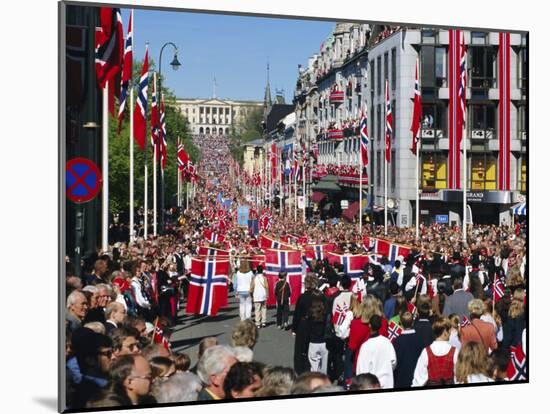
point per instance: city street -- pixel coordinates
(274, 346)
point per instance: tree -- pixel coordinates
(119, 160)
(248, 129)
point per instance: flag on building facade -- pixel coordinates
(417, 112)
(364, 139)
(389, 124)
(140, 112)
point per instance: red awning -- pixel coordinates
(317, 196)
(351, 211)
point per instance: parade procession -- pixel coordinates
(370, 234)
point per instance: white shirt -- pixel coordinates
(478, 378)
(342, 330)
(187, 262)
(377, 356)
(439, 348)
(260, 292)
(411, 284)
(138, 294)
(243, 281)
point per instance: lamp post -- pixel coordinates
(175, 66)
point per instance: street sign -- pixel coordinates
(82, 179)
(442, 218)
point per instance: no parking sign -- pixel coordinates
(82, 179)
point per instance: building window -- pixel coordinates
(371, 79)
(371, 121)
(434, 119)
(522, 70)
(433, 65)
(214, 111)
(483, 172)
(201, 110)
(482, 70)
(207, 110)
(378, 168)
(434, 171)
(479, 38)
(523, 174)
(227, 111)
(378, 75)
(393, 69)
(378, 122)
(193, 110)
(394, 118)
(522, 132)
(429, 36)
(393, 170)
(482, 118)
(385, 68)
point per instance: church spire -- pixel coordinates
(267, 95)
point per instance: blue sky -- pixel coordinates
(233, 49)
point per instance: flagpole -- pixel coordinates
(105, 171)
(295, 195)
(131, 160)
(360, 185)
(464, 178)
(187, 196)
(304, 191)
(417, 189)
(179, 178)
(145, 200)
(155, 190)
(385, 195)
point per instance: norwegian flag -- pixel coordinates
(212, 252)
(265, 221)
(288, 261)
(109, 51)
(381, 247)
(182, 157)
(318, 251)
(159, 337)
(394, 330)
(257, 260)
(465, 322)
(498, 289)
(353, 263)
(155, 122)
(517, 368)
(140, 112)
(462, 84)
(369, 243)
(396, 251)
(126, 72)
(212, 237)
(364, 140)
(207, 286)
(417, 113)
(162, 131)
(389, 123)
(269, 243)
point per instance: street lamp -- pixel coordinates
(175, 66)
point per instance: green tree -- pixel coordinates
(119, 150)
(249, 128)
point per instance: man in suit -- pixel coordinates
(115, 313)
(457, 303)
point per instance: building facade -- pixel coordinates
(348, 78)
(215, 116)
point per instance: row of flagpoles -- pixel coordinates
(114, 77)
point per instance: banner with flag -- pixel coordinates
(127, 68)
(213, 237)
(269, 243)
(318, 251)
(417, 112)
(289, 261)
(155, 123)
(207, 286)
(353, 263)
(212, 252)
(140, 112)
(398, 252)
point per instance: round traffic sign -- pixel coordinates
(82, 179)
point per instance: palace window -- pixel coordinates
(434, 171)
(429, 36)
(522, 69)
(481, 66)
(378, 75)
(434, 117)
(393, 69)
(378, 168)
(393, 169)
(433, 68)
(483, 117)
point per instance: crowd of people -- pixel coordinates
(431, 318)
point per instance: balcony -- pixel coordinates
(481, 134)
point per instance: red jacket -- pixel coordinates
(359, 332)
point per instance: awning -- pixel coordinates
(317, 196)
(351, 211)
(519, 209)
(327, 183)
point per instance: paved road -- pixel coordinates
(274, 347)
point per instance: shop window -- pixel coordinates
(483, 172)
(523, 175)
(434, 171)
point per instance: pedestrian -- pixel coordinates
(315, 332)
(259, 291)
(478, 330)
(243, 283)
(408, 346)
(282, 297)
(473, 364)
